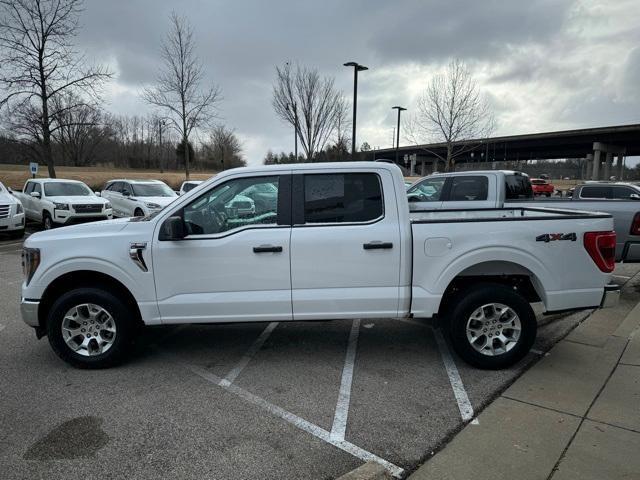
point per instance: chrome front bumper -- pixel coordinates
(611, 296)
(29, 312)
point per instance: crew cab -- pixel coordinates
(11, 214)
(469, 190)
(137, 198)
(55, 202)
(337, 243)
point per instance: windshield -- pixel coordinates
(152, 190)
(60, 189)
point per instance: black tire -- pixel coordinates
(47, 221)
(548, 194)
(125, 323)
(138, 213)
(471, 299)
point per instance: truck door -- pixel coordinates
(233, 265)
(345, 245)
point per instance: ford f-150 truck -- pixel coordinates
(505, 188)
(338, 242)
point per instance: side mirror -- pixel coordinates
(414, 198)
(634, 196)
(126, 193)
(173, 229)
(35, 194)
(97, 193)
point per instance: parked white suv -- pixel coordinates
(137, 198)
(62, 202)
(11, 214)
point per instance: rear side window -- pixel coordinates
(469, 188)
(595, 192)
(518, 187)
(342, 198)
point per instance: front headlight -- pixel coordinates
(61, 206)
(107, 206)
(153, 205)
(19, 209)
(30, 262)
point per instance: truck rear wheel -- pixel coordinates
(90, 328)
(491, 326)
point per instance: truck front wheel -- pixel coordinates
(491, 326)
(90, 328)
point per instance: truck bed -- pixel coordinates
(497, 214)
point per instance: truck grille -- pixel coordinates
(4, 211)
(83, 208)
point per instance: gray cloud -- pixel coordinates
(546, 63)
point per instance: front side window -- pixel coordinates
(342, 198)
(37, 188)
(429, 190)
(594, 192)
(469, 188)
(226, 207)
(152, 190)
(624, 193)
(29, 188)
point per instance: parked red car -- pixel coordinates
(542, 187)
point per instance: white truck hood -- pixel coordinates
(162, 201)
(7, 199)
(78, 199)
(89, 230)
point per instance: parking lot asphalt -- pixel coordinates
(257, 400)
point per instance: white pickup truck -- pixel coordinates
(55, 202)
(337, 242)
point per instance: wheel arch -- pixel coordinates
(85, 278)
(504, 272)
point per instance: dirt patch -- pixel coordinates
(80, 437)
(14, 176)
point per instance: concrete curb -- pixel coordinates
(369, 471)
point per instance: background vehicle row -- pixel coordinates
(11, 214)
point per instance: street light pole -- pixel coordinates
(400, 109)
(356, 68)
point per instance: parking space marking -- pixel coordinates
(298, 422)
(464, 405)
(339, 427)
(246, 358)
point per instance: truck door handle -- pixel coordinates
(377, 245)
(267, 249)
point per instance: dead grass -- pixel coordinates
(14, 176)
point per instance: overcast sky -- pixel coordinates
(545, 64)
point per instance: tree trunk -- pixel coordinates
(449, 164)
(46, 129)
(185, 142)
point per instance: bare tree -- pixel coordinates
(80, 129)
(451, 109)
(223, 150)
(301, 94)
(179, 92)
(40, 64)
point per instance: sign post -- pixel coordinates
(33, 168)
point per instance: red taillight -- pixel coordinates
(635, 225)
(601, 246)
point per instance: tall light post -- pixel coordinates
(400, 109)
(295, 126)
(356, 68)
(161, 123)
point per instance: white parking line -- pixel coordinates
(244, 361)
(464, 405)
(298, 422)
(339, 426)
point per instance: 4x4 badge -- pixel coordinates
(552, 237)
